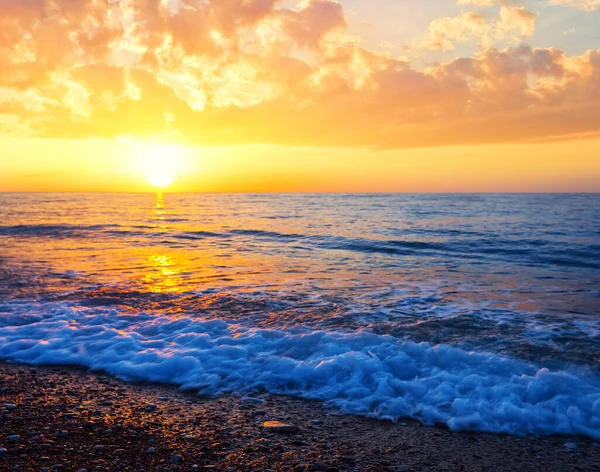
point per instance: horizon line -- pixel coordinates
(100, 192)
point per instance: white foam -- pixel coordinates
(359, 372)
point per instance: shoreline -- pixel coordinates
(68, 419)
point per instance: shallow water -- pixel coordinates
(478, 311)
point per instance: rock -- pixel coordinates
(176, 459)
(120, 452)
(2, 451)
(13, 437)
(99, 448)
(316, 422)
(571, 446)
(279, 427)
(150, 450)
(62, 434)
(162, 399)
(189, 437)
(150, 407)
(10, 406)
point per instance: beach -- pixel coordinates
(68, 419)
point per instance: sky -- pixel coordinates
(310, 95)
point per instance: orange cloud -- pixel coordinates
(253, 71)
(512, 23)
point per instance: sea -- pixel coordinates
(474, 311)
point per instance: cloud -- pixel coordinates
(587, 5)
(443, 33)
(225, 72)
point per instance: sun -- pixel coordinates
(161, 164)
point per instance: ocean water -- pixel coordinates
(480, 312)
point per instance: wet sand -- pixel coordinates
(68, 419)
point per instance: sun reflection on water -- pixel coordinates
(164, 274)
(163, 271)
(160, 210)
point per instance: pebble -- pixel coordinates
(62, 434)
(10, 406)
(175, 459)
(3, 451)
(150, 407)
(13, 437)
(99, 448)
(317, 422)
(318, 466)
(163, 399)
(571, 446)
(150, 450)
(279, 427)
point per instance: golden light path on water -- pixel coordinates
(163, 271)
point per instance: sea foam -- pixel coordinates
(357, 372)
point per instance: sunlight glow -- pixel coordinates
(160, 164)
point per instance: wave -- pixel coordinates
(52, 230)
(359, 372)
(534, 252)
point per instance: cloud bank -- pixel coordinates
(212, 72)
